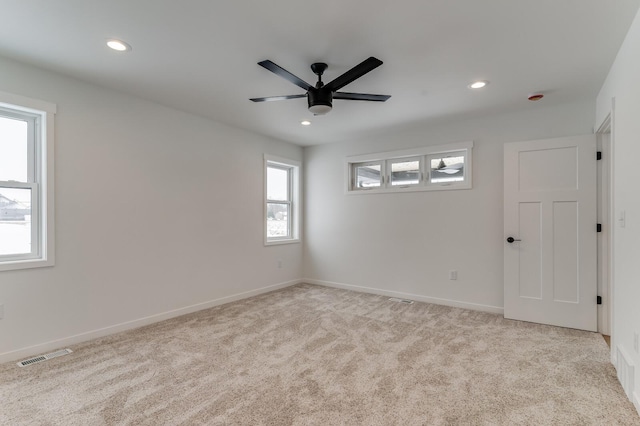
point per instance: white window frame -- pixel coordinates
(294, 174)
(390, 162)
(40, 116)
(427, 167)
(364, 164)
(462, 149)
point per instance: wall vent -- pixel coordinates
(625, 371)
(41, 358)
(405, 301)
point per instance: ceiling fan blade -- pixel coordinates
(277, 69)
(354, 73)
(360, 96)
(277, 98)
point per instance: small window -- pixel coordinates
(282, 200)
(446, 168)
(432, 168)
(26, 183)
(405, 172)
(367, 176)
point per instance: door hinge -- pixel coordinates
(599, 155)
(599, 227)
(599, 300)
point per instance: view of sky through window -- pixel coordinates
(277, 184)
(13, 150)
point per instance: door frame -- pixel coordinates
(605, 137)
(603, 143)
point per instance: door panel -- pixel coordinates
(530, 254)
(535, 163)
(550, 206)
(565, 249)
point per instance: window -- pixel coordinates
(282, 206)
(446, 168)
(26, 182)
(405, 172)
(422, 169)
(368, 175)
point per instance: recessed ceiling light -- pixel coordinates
(118, 45)
(305, 122)
(478, 84)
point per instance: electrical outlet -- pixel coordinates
(279, 263)
(1, 310)
(453, 274)
(635, 342)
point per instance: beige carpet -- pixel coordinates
(310, 355)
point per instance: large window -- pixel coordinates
(282, 211)
(26, 182)
(422, 169)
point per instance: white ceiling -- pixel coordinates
(200, 55)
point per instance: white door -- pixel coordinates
(550, 219)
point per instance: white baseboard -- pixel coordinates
(625, 370)
(94, 334)
(636, 401)
(416, 297)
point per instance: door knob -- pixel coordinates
(511, 239)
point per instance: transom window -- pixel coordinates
(446, 168)
(405, 172)
(368, 175)
(26, 174)
(421, 169)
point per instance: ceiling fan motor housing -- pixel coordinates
(319, 101)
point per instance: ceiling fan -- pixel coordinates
(321, 96)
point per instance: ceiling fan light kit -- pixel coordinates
(320, 98)
(320, 101)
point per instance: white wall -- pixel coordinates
(156, 210)
(622, 84)
(408, 242)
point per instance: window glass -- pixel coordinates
(443, 169)
(13, 150)
(405, 172)
(278, 215)
(15, 221)
(277, 184)
(368, 176)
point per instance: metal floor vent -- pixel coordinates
(405, 301)
(41, 358)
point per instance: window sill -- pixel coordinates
(14, 265)
(279, 242)
(414, 188)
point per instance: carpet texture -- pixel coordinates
(311, 355)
